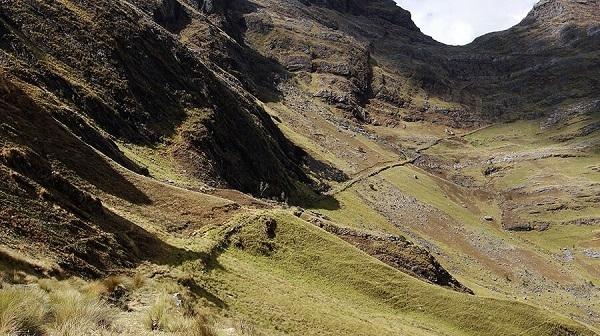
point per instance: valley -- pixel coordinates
(269, 167)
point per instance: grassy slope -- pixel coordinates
(315, 284)
(558, 172)
(482, 255)
(307, 291)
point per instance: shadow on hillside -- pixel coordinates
(162, 80)
(143, 245)
(40, 130)
(60, 239)
(174, 18)
(97, 171)
(193, 286)
(261, 75)
(322, 202)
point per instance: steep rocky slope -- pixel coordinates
(395, 68)
(129, 79)
(179, 138)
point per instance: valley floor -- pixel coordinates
(511, 214)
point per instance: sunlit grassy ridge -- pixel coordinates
(315, 284)
(301, 281)
(308, 282)
(537, 170)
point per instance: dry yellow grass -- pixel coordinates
(74, 313)
(22, 311)
(166, 315)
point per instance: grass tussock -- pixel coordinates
(104, 287)
(51, 307)
(23, 311)
(168, 314)
(117, 305)
(64, 311)
(75, 313)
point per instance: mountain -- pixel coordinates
(314, 167)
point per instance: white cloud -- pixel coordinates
(459, 22)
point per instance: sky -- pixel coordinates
(459, 22)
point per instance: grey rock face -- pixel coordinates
(593, 254)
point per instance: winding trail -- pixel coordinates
(380, 168)
(370, 173)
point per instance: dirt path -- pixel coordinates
(370, 173)
(380, 168)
